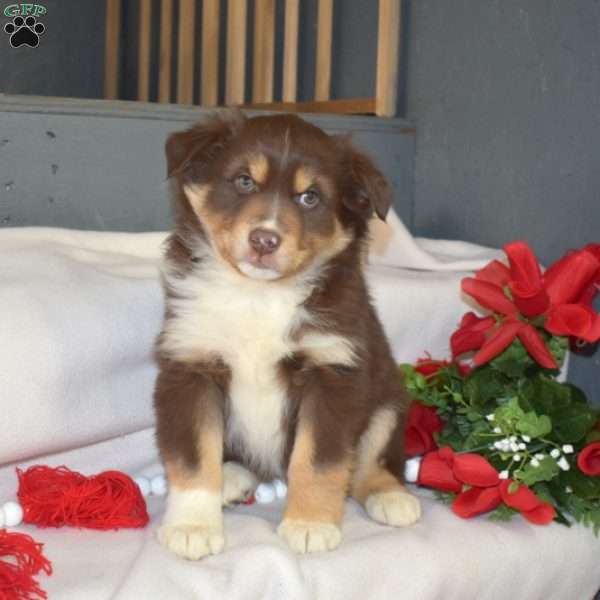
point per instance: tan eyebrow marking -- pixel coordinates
(258, 164)
(303, 179)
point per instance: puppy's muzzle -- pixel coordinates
(264, 241)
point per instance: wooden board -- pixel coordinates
(388, 42)
(264, 50)
(210, 53)
(324, 42)
(145, 28)
(290, 50)
(185, 52)
(111, 49)
(166, 50)
(235, 78)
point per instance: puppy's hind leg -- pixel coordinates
(377, 478)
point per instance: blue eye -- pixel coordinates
(245, 184)
(309, 199)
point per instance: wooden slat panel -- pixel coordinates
(388, 42)
(264, 50)
(236, 52)
(145, 25)
(210, 53)
(290, 50)
(185, 52)
(166, 50)
(354, 106)
(111, 49)
(324, 41)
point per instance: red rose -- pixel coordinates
(471, 333)
(588, 460)
(421, 423)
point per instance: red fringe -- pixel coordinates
(54, 497)
(25, 560)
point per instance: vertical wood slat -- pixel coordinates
(166, 50)
(185, 52)
(264, 50)
(145, 24)
(324, 41)
(111, 49)
(235, 79)
(388, 38)
(290, 50)
(210, 53)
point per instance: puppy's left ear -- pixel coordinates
(364, 187)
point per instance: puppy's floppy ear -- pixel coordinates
(364, 187)
(188, 151)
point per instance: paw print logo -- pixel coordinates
(24, 32)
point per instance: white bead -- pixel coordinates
(535, 462)
(503, 475)
(490, 417)
(280, 488)
(563, 464)
(514, 446)
(513, 438)
(516, 457)
(522, 446)
(411, 469)
(158, 485)
(540, 456)
(265, 493)
(526, 438)
(555, 453)
(497, 430)
(13, 514)
(567, 449)
(144, 484)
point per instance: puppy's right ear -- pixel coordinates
(188, 151)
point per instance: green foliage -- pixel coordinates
(515, 414)
(502, 513)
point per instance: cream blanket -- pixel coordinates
(79, 312)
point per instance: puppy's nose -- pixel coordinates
(264, 241)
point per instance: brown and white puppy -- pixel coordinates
(272, 360)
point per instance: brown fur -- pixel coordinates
(330, 407)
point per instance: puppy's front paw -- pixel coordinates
(395, 508)
(238, 483)
(191, 541)
(309, 536)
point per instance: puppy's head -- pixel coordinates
(273, 195)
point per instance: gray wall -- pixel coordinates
(506, 98)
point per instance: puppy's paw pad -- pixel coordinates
(309, 536)
(394, 508)
(191, 541)
(238, 483)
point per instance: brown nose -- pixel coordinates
(264, 241)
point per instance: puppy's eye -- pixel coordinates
(245, 184)
(309, 199)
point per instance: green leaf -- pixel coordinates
(533, 426)
(587, 488)
(502, 513)
(558, 346)
(545, 471)
(484, 385)
(573, 422)
(547, 396)
(514, 361)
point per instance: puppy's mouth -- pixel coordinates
(259, 266)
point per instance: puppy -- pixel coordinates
(272, 361)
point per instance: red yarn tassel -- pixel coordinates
(57, 497)
(25, 559)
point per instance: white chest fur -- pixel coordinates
(248, 323)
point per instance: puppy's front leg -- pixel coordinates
(190, 438)
(318, 474)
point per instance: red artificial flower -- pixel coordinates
(489, 295)
(475, 470)
(476, 501)
(429, 367)
(588, 460)
(568, 278)
(435, 471)
(527, 503)
(526, 285)
(471, 333)
(577, 320)
(421, 423)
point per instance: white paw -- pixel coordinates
(238, 483)
(309, 536)
(191, 541)
(394, 508)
